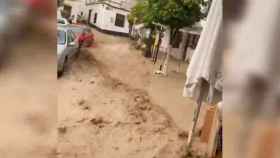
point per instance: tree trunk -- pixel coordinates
(155, 56)
(148, 50)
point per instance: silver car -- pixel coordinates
(67, 47)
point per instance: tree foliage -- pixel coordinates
(140, 13)
(173, 13)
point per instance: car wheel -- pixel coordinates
(60, 73)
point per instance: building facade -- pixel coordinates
(109, 16)
(74, 8)
(186, 42)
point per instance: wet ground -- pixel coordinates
(107, 107)
(107, 104)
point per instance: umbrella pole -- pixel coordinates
(194, 124)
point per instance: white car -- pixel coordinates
(67, 47)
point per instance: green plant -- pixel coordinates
(174, 14)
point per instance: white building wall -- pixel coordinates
(97, 8)
(77, 7)
(110, 18)
(106, 17)
(58, 12)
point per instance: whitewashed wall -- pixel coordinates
(77, 8)
(58, 12)
(97, 8)
(106, 18)
(110, 17)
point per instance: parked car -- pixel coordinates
(84, 34)
(67, 47)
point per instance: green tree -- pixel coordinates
(142, 14)
(174, 14)
(138, 12)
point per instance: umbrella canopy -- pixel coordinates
(204, 73)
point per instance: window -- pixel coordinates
(120, 19)
(89, 15)
(73, 35)
(70, 37)
(67, 11)
(95, 17)
(61, 37)
(193, 41)
(88, 30)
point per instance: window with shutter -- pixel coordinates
(95, 18)
(120, 20)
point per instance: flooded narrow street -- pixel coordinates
(105, 107)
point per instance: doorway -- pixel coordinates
(89, 15)
(95, 18)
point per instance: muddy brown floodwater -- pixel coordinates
(28, 100)
(105, 109)
(100, 108)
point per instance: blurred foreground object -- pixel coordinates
(10, 23)
(20, 18)
(204, 73)
(252, 77)
(28, 92)
(42, 15)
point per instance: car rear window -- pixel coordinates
(77, 30)
(88, 30)
(61, 37)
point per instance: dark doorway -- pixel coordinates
(89, 15)
(66, 12)
(95, 18)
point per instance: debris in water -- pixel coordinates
(86, 108)
(97, 121)
(81, 102)
(62, 130)
(92, 81)
(183, 134)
